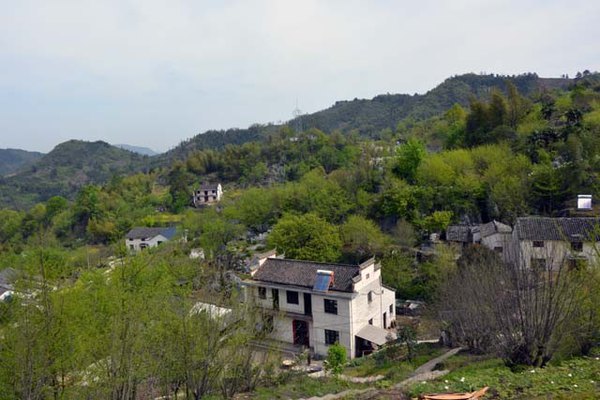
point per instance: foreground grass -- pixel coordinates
(303, 386)
(573, 379)
(394, 366)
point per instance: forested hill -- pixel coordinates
(67, 168)
(369, 116)
(12, 160)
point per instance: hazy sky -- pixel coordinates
(153, 73)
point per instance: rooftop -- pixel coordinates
(494, 227)
(304, 273)
(544, 228)
(143, 232)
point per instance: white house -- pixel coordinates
(541, 242)
(207, 194)
(141, 238)
(316, 304)
(495, 236)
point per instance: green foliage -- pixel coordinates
(361, 238)
(306, 237)
(336, 358)
(410, 155)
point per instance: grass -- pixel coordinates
(394, 368)
(303, 386)
(573, 379)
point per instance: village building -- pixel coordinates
(495, 236)
(206, 194)
(140, 238)
(312, 304)
(543, 242)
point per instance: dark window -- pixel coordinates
(330, 306)
(131, 246)
(538, 264)
(291, 297)
(498, 249)
(370, 296)
(577, 246)
(538, 243)
(577, 263)
(391, 309)
(371, 321)
(331, 337)
(262, 293)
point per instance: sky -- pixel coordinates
(153, 73)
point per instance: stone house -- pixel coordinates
(312, 304)
(540, 242)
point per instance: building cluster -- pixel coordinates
(535, 242)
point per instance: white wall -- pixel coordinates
(554, 251)
(136, 244)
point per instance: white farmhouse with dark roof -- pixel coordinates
(141, 238)
(316, 304)
(207, 193)
(541, 242)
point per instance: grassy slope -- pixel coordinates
(577, 378)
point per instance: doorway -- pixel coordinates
(300, 331)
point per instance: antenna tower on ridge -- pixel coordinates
(297, 113)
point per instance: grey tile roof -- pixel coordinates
(303, 273)
(494, 227)
(143, 232)
(543, 228)
(209, 186)
(459, 233)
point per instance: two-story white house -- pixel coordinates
(541, 242)
(140, 238)
(317, 304)
(207, 193)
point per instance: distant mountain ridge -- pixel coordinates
(369, 116)
(67, 168)
(145, 151)
(11, 160)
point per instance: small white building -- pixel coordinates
(548, 243)
(495, 236)
(315, 304)
(140, 238)
(207, 194)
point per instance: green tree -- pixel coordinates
(361, 238)
(306, 237)
(336, 358)
(409, 156)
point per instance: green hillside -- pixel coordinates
(66, 169)
(13, 159)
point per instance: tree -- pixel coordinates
(306, 237)
(336, 358)
(409, 156)
(361, 238)
(520, 313)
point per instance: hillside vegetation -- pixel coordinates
(66, 169)
(12, 160)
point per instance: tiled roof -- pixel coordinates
(543, 228)
(143, 232)
(458, 233)
(303, 273)
(494, 227)
(209, 186)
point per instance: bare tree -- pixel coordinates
(522, 312)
